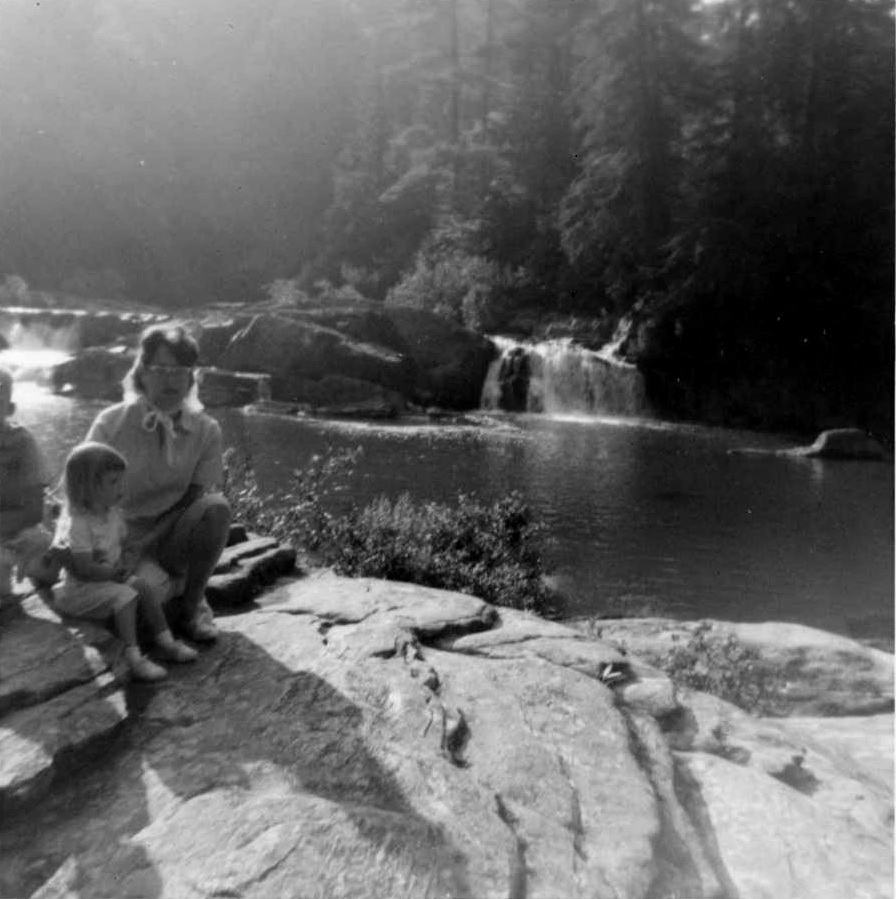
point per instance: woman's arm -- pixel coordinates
(191, 494)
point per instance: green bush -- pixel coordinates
(485, 550)
(451, 277)
(297, 514)
(723, 666)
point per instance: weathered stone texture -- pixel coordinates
(360, 738)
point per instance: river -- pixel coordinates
(642, 515)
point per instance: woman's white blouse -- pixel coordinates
(162, 463)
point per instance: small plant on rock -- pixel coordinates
(297, 514)
(723, 666)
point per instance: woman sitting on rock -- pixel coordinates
(174, 455)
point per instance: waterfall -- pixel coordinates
(558, 377)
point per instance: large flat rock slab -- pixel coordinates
(519, 635)
(822, 673)
(427, 612)
(866, 741)
(40, 742)
(358, 738)
(354, 780)
(773, 841)
(60, 696)
(41, 656)
(825, 763)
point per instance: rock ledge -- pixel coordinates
(361, 738)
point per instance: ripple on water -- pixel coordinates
(651, 515)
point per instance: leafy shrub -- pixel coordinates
(483, 550)
(723, 666)
(286, 292)
(297, 514)
(14, 291)
(453, 278)
(487, 551)
(443, 283)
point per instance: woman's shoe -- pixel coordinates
(175, 651)
(201, 631)
(145, 669)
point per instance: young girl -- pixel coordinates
(97, 583)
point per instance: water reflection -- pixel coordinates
(31, 366)
(643, 514)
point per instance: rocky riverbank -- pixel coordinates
(365, 359)
(361, 738)
(369, 360)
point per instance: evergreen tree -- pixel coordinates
(638, 63)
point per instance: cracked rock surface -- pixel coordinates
(361, 738)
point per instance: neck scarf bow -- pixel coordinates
(165, 422)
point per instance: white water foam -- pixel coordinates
(566, 379)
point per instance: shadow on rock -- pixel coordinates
(244, 774)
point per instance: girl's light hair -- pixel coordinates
(85, 466)
(180, 344)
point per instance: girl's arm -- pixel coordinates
(82, 565)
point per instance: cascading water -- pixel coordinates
(29, 351)
(558, 377)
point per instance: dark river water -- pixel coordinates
(642, 515)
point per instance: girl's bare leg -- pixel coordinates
(126, 625)
(153, 612)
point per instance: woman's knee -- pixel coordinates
(142, 586)
(216, 516)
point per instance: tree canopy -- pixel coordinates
(732, 159)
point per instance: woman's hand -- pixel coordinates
(83, 567)
(124, 568)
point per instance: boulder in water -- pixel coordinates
(452, 361)
(214, 336)
(94, 373)
(294, 352)
(845, 443)
(839, 443)
(232, 388)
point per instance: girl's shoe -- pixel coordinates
(145, 669)
(175, 651)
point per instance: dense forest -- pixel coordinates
(726, 168)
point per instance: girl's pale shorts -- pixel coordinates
(92, 599)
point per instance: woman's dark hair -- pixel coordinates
(174, 338)
(84, 467)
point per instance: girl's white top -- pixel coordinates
(98, 533)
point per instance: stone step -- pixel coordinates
(236, 553)
(238, 534)
(249, 576)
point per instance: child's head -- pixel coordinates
(93, 477)
(7, 406)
